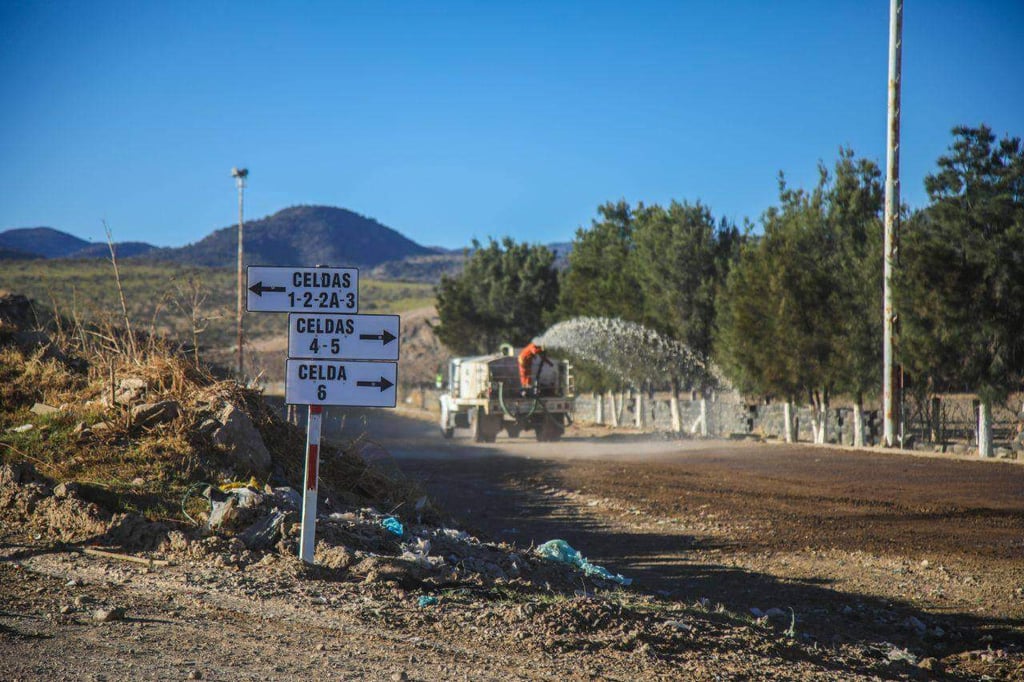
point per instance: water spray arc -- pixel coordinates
(634, 354)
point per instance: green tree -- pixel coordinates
(503, 294)
(601, 280)
(801, 311)
(682, 259)
(778, 323)
(854, 208)
(960, 294)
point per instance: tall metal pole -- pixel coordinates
(890, 401)
(240, 176)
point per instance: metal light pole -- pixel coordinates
(890, 401)
(240, 174)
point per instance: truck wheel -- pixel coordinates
(447, 430)
(550, 429)
(479, 425)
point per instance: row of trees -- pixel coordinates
(793, 312)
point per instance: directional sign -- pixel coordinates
(341, 382)
(354, 337)
(273, 289)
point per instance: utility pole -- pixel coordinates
(240, 174)
(890, 400)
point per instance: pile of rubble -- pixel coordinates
(208, 435)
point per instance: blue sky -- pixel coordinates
(454, 120)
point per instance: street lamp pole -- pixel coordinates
(240, 174)
(890, 401)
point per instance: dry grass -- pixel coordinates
(127, 467)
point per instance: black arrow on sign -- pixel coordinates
(383, 383)
(385, 336)
(258, 289)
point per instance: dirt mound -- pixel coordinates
(423, 354)
(31, 504)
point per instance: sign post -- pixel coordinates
(307, 540)
(335, 357)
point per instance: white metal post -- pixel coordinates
(892, 218)
(307, 542)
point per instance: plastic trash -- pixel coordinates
(393, 525)
(426, 600)
(561, 551)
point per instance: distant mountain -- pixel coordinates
(45, 241)
(300, 235)
(123, 250)
(314, 235)
(427, 268)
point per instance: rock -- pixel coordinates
(265, 532)
(287, 498)
(153, 414)
(678, 625)
(399, 676)
(912, 623)
(930, 664)
(756, 612)
(138, 482)
(108, 615)
(195, 675)
(82, 431)
(65, 610)
(21, 429)
(67, 489)
(897, 654)
(129, 390)
(847, 610)
(207, 427)
(239, 438)
(43, 409)
(776, 614)
(16, 310)
(101, 427)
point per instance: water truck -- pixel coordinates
(484, 394)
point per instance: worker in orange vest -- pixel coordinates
(526, 364)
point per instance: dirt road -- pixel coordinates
(749, 561)
(749, 525)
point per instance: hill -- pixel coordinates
(44, 241)
(428, 268)
(324, 235)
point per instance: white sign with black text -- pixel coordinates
(352, 337)
(275, 289)
(351, 383)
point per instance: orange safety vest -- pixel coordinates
(525, 361)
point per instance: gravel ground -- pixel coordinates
(749, 562)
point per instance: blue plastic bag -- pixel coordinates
(426, 600)
(561, 551)
(393, 525)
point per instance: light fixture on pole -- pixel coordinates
(240, 174)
